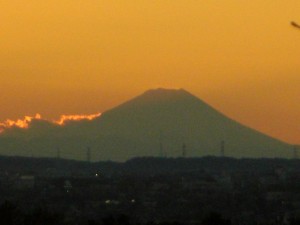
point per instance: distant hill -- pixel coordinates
(52, 167)
(159, 122)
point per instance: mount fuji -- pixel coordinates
(159, 122)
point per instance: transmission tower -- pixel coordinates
(88, 154)
(161, 147)
(183, 150)
(295, 152)
(58, 153)
(222, 150)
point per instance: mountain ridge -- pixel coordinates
(156, 123)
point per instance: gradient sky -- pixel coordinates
(86, 56)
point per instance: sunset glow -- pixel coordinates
(80, 56)
(24, 123)
(65, 118)
(21, 123)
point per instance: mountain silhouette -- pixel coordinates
(159, 122)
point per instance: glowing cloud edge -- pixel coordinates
(24, 123)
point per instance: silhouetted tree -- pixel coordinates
(123, 220)
(215, 218)
(109, 220)
(8, 213)
(294, 221)
(42, 216)
(92, 222)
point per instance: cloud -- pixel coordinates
(27, 120)
(21, 123)
(65, 118)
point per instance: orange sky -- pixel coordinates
(86, 56)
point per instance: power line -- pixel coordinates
(294, 24)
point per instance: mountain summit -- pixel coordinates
(159, 122)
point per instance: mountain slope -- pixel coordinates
(156, 123)
(174, 117)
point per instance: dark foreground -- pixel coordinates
(208, 191)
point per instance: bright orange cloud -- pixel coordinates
(21, 123)
(64, 118)
(24, 123)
